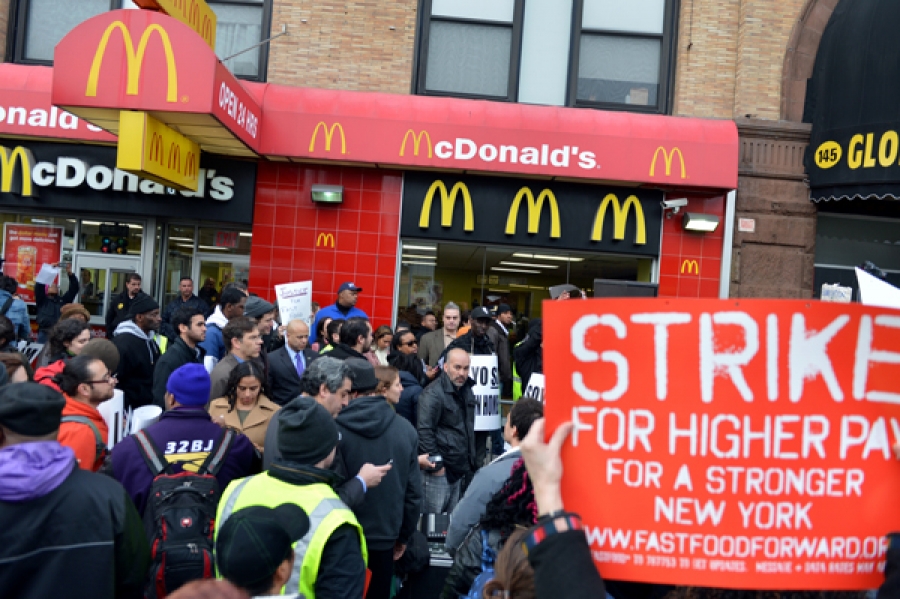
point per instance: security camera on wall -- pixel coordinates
(673, 206)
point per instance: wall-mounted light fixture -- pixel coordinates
(328, 194)
(696, 221)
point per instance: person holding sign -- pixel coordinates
(446, 429)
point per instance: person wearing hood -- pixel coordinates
(185, 434)
(410, 368)
(371, 431)
(231, 305)
(96, 547)
(332, 563)
(138, 352)
(446, 427)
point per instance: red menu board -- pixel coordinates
(25, 249)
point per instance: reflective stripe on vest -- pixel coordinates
(326, 513)
(517, 380)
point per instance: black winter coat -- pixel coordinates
(408, 406)
(372, 432)
(177, 355)
(49, 307)
(166, 327)
(528, 355)
(99, 548)
(137, 360)
(446, 425)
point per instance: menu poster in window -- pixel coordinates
(25, 249)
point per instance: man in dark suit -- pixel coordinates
(287, 364)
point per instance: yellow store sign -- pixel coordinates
(150, 149)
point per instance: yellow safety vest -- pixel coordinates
(326, 349)
(517, 379)
(326, 513)
(162, 342)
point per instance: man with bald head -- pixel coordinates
(287, 364)
(446, 427)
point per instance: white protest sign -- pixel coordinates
(486, 374)
(294, 301)
(875, 292)
(47, 275)
(31, 351)
(535, 388)
(113, 413)
(143, 417)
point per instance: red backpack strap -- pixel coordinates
(155, 459)
(216, 458)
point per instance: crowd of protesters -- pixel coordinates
(290, 458)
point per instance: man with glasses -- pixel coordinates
(86, 382)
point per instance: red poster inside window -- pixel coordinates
(25, 249)
(737, 444)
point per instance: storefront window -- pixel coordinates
(179, 259)
(433, 274)
(224, 241)
(111, 238)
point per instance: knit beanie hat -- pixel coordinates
(31, 409)
(306, 431)
(257, 306)
(142, 304)
(190, 385)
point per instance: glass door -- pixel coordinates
(220, 269)
(101, 278)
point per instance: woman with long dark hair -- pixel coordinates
(67, 338)
(512, 507)
(245, 407)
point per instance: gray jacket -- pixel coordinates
(470, 509)
(431, 346)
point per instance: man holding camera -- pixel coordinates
(446, 427)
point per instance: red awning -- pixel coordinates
(490, 137)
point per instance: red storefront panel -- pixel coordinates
(690, 263)
(295, 239)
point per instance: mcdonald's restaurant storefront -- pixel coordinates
(418, 200)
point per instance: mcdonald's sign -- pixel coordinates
(620, 219)
(417, 141)
(535, 208)
(196, 14)
(667, 160)
(448, 203)
(558, 215)
(691, 266)
(8, 160)
(151, 149)
(134, 60)
(329, 134)
(325, 240)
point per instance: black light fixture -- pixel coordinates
(697, 221)
(328, 194)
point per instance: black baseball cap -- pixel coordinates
(255, 540)
(480, 312)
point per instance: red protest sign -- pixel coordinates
(25, 249)
(738, 444)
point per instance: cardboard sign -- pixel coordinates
(720, 443)
(294, 301)
(25, 249)
(535, 387)
(486, 374)
(31, 351)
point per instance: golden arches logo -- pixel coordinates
(325, 239)
(157, 150)
(448, 202)
(134, 60)
(196, 14)
(620, 219)
(417, 141)
(667, 160)
(329, 134)
(691, 266)
(8, 161)
(535, 209)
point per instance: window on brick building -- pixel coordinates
(38, 25)
(470, 48)
(592, 53)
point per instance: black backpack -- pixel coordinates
(180, 517)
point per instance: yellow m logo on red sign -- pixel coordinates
(329, 133)
(417, 141)
(691, 266)
(325, 240)
(667, 160)
(134, 60)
